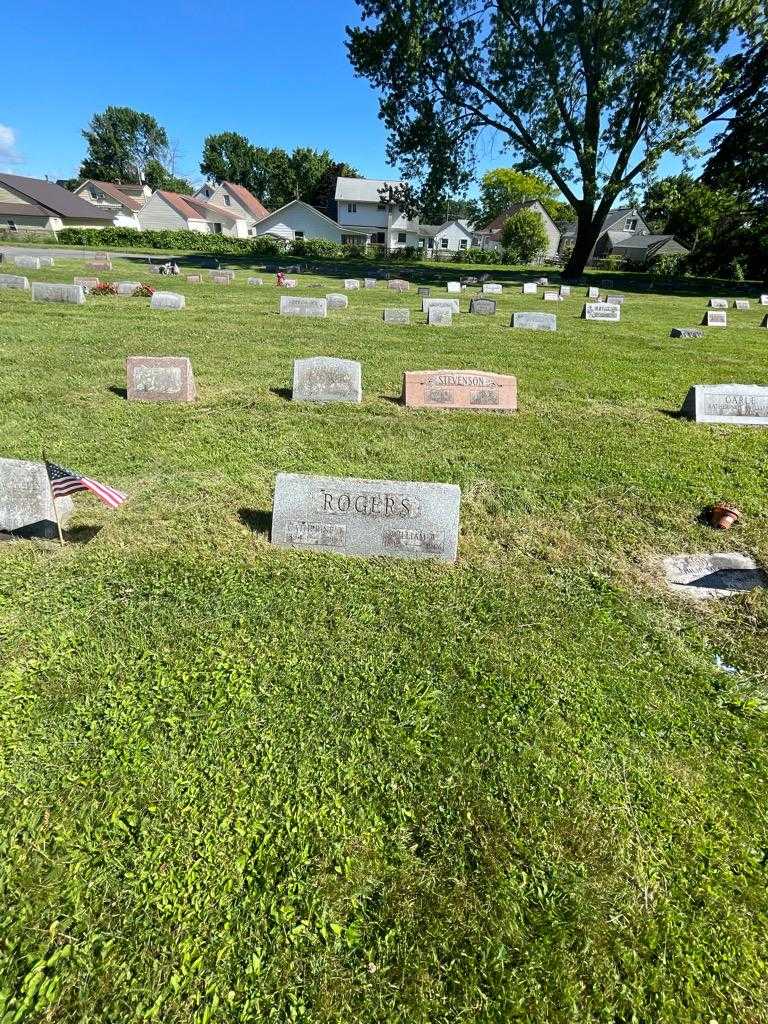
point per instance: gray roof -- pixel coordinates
(54, 198)
(362, 190)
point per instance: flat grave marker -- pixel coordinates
(741, 404)
(535, 321)
(46, 261)
(325, 379)
(160, 379)
(26, 505)
(686, 332)
(614, 300)
(717, 575)
(352, 516)
(460, 389)
(300, 305)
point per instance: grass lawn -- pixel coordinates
(247, 784)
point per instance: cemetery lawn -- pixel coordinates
(247, 784)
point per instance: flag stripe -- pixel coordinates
(64, 482)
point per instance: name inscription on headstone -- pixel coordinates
(14, 281)
(44, 292)
(492, 288)
(299, 305)
(716, 318)
(744, 404)
(482, 307)
(460, 389)
(535, 321)
(160, 379)
(26, 505)
(602, 311)
(325, 379)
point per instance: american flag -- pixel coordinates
(64, 481)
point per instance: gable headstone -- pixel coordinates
(535, 321)
(14, 281)
(30, 262)
(459, 389)
(492, 288)
(160, 379)
(324, 379)
(718, 303)
(300, 305)
(351, 283)
(397, 315)
(336, 300)
(715, 318)
(741, 404)
(167, 300)
(482, 307)
(601, 311)
(439, 316)
(26, 505)
(350, 516)
(45, 292)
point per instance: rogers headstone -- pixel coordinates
(26, 505)
(351, 516)
(324, 379)
(459, 389)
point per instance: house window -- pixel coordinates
(353, 240)
(630, 224)
(216, 228)
(207, 193)
(298, 234)
(227, 201)
(443, 243)
(430, 243)
(401, 237)
(463, 243)
(351, 207)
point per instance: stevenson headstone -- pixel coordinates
(686, 332)
(44, 292)
(127, 287)
(482, 307)
(741, 404)
(453, 286)
(492, 288)
(717, 575)
(397, 315)
(336, 300)
(350, 516)
(439, 316)
(741, 303)
(324, 379)
(299, 305)
(718, 303)
(351, 283)
(14, 281)
(715, 318)
(530, 288)
(460, 389)
(160, 379)
(167, 300)
(256, 281)
(30, 262)
(535, 321)
(601, 311)
(26, 505)
(451, 304)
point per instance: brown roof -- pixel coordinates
(209, 210)
(180, 204)
(23, 210)
(248, 199)
(53, 197)
(115, 192)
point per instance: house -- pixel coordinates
(235, 198)
(489, 237)
(365, 219)
(452, 236)
(169, 210)
(297, 220)
(105, 194)
(30, 204)
(625, 233)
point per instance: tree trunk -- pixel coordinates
(587, 232)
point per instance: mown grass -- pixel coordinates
(243, 784)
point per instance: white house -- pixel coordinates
(124, 207)
(365, 219)
(189, 213)
(297, 220)
(453, 236)
(489, 237)
(236, 199)
(29, 204)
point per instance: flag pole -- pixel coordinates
(53, 499)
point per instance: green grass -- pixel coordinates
(246, 784)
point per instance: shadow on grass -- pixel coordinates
(120, 392)
(256, 520)
(285, 393)
(46, 530)
(393, 399)
(674, 414)
(82, 534)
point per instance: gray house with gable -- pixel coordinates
(625, 233)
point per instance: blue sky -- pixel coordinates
(277, 73)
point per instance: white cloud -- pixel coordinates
(8, 154)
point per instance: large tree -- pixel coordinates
(121, 143)
(229, 156)
(593, 92)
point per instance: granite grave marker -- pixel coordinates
(160, 379)
(742, 404)
(45, 292)
(535, 321)
(300, 305)
(460, 389)
(325, 379)
(167, 300)
(26, 505)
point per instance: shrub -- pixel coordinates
(353, 252)
(523, 237)
(316, 248)
(669, 264)
(103, 288)
(144, 291)
(736, 271)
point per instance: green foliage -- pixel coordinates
(505, 186)
(121, 142)
(524, 237)
(736, 270)
(316, 248)
(103, 288)
(157, 177)
(165, 239)
(668, 265)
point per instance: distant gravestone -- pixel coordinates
(715, 318)
(686, 332)
(460, 389)
(453, 286)
(482, 307)
(398, 285)
(552, 297)
(290, 282)
(100, 265)
(127, 287)
(764, 300)
(614, 300)
(324, 379)
(424, 293)
(593, 293)
(26, 505)
(160, 379)
(370, 282)
(601, 311)
(336, 300)
(155, 269)
(451, 304)
(530, 288)
(46, 261)
(349, 516)
(741, 404)
(723, 574)
(397, 315)
(492, 288)
(741, 303)
(351, 283)
(14, 281)
(44, 292)
(299, 305)
(543, 281)
(439, 316)
(535, 321)
(256, 281)
(194, 279)
(30, 262)
(718, 303)
(565, 291)
(221, 279)
(87, 282)
(221, 273)
(167, 300)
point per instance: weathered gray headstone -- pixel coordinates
(451, 304)
(453, 286)
(257, 281)
(153, 269)
(718, 303)
(160, 379)
(482, 307)
(26, 505)
(167, 300)
(290, 282)
(222, 279)
(565, 291)
(194, 279)
(686, 332)
(424, 293)
(30, 262)
(351, 283)
(127, 287)
(100, 264)
(535, 321)
(86, 283)
(593, 293)
(14, 281)
(300, 305)
(370, 282)
(492, 288)
(46, 261)
(715, 318)
(44, 292)
(336, 300)
(530, 288)
(324, 379)
(614, 300)
(350, 516)
(222, 273)
(601, 311)
(439, 316)
(398, 285)
(553, 297)
(741, 303)
(743, 404)
(764, 300)
(723, 574)
(397, 315)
